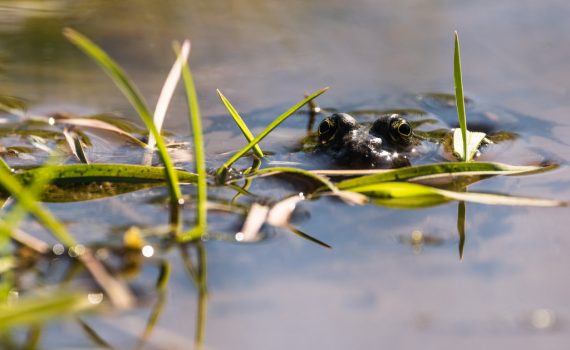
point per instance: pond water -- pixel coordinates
(382, 285)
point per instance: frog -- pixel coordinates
(388, 142)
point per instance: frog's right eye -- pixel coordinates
(327, 130)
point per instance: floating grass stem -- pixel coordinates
(131, 93)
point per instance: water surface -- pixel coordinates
(372, 289)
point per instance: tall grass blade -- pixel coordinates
(132, 94)
(240, 123)
(224, 168)
(199, 153)
(459, 98)
(167, 91)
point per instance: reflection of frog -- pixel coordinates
(388, 142)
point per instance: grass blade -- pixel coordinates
(75, 145)
(92, 123)
(132, 94)
(411, 195)
(223, 169)
(308, 237)
(9, 183)
(240, 123)
(168, 90)
(199, 153)
(430, 171)
(81, 173)
(459, 98)
(35, 310)
(278, 170)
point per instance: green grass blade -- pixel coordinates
(221, 171)
(131, 93)
(459, 98)
(34, 310)
(81, 173)
(199, 153)
(5, 165)
(438, 170)
(404, 194)
(9, 183)
(240, 123)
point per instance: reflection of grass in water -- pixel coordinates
(393, 188)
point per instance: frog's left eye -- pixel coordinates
(335, 127)
(403, 127)
(327, 130)
(401, 130)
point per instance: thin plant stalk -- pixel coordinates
(199, 154)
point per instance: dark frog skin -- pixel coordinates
(388, 142)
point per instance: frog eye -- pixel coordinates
(327, 130)
(335, 127)
(401, 130)
(404, 129)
